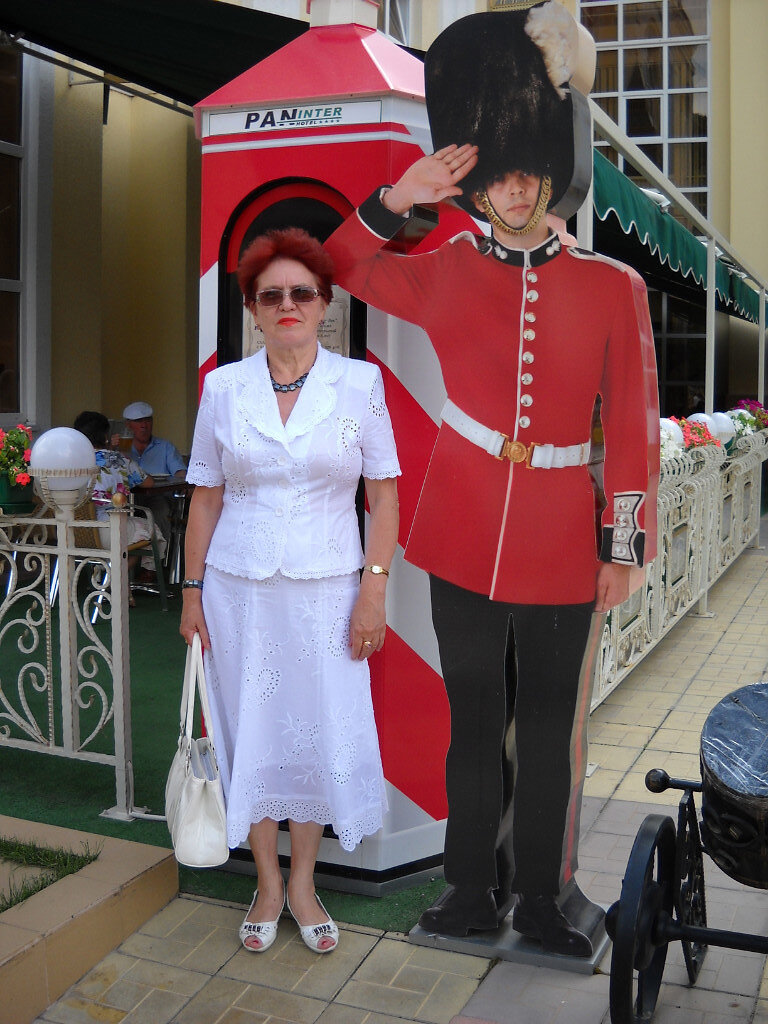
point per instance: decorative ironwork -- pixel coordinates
(64, 676)
(708, 513)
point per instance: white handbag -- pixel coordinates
(194, 799)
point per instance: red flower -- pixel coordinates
(23, 478)
(696, 435)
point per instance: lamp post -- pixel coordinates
(63, 465)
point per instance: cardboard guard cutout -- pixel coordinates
(528, 331)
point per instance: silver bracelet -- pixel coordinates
(195, 584)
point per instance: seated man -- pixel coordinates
(155, 456)
(118, 476)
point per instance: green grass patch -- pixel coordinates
(56, 862)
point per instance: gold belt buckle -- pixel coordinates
(515, 451)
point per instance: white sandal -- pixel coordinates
(313, 934)
(264, 931)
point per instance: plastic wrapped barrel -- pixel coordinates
(734, 772)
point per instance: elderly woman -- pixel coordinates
(274, 556)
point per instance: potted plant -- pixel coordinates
(16, 495)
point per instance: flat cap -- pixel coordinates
(137, 411)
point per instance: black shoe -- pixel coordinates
(461, 911)
(539, 917)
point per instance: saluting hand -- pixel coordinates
(432, 178)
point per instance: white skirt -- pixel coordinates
(292, 712)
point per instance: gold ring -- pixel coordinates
(367, 643)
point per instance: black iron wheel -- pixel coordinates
(638, 922)
(690, 899)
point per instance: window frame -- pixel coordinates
(33, 284)
(621, 96)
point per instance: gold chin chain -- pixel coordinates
(515, 5)
(545, 194)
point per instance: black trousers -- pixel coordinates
(519, 701)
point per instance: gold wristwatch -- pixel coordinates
(377, 570)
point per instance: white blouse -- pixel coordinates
(289, 489)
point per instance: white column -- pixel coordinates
(709, 372)
(762, 342)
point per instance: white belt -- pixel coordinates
(534, 455)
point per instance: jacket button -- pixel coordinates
(526, 400)
(527, 378)
(524, 421)
(530, 318)
(532, 295)
(532, 276)
(529, 334)
(527, 357)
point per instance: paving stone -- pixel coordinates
(384, 962)
(447, 998)
(166, 977)
(284, 1006)
(238, 1016)
(211, 1001)
(150, 947)
(213, 952)
(170, 917)
(104, 975)
(328, 975)
(156, 1008)
(381, 998)
(123, 995)
(449, 963)
(261, 969)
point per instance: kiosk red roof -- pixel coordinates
(327, 62)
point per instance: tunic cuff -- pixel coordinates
(378, 219)
(624, 541)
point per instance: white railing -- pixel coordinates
(64, 670)
(708, 512)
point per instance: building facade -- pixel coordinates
(99, 204)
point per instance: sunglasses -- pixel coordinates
(274, 296)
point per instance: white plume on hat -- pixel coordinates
(555, 33)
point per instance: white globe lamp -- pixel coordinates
(705, 419)
(725, 429)
(63, 464)
(672, 430)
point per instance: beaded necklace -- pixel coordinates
(294, 386)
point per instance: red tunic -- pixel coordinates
(523, 350)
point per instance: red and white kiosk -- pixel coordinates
(301, 139)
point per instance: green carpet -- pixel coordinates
(61, 791)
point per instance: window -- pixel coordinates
(26, 121)
(652, 79)
(10, 228)
(679, 328)
(394, 19)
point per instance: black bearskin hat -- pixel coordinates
(500, 80)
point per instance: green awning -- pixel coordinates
(665, 238)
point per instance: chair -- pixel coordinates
(174, 556)
(92, 537)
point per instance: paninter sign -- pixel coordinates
(292, 116)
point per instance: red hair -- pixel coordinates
(284, 244)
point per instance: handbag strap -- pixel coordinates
(194, 680)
